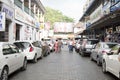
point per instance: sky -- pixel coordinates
(70, 8)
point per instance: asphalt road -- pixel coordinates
(62, 66)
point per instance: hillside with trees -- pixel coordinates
(53, 16)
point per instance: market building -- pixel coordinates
(102, 18)
(23, 19)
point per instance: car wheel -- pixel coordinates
(24, 67)
(4, 74)
(82, 54)
(104, 67)
(41, 56)
(35, 59)
(119, 75)
(98, 61)
(91, 57)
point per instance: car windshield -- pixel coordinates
(115, 49)
(22, 45)
(109, 45)
(36, 44)
(92, 41)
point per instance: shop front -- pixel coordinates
(6, 22)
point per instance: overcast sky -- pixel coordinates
(70, 8)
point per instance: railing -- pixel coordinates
(18, 3)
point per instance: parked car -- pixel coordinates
(32, 49)
(50, 43)
(101, 48)
(111, 63)
(11, 59)
(87, 45)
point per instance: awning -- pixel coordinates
(110, 19)
(80, 25)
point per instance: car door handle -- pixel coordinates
(6, 57)
(15, 55)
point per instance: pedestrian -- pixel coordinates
(59, 45)
(43, 47)
(56, 46)
(70, 45)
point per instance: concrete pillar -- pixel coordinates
(23, 5)
(29, 6)
(38, 12)
(34, 8)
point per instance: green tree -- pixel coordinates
(56, 16)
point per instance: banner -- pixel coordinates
(63, 27)
(2, 21)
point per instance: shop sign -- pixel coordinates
(96, 15)
(115, 7)
(29, 20)
(8, 11)
(2, 21)
(37, 24)
(19, 15)
(88, 24)
(106, 7)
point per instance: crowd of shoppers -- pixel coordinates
(58, 45)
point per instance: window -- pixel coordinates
(6, 49)
(18, 3)
(116, 49)
(14, 48)
(36, 44)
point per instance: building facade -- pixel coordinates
(102, 17)
(22, 19)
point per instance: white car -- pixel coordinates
(87, 46)
(11, 59)
(100, 49)
(111, 63)
(32, 49)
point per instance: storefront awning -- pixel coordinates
(80, 25)
(110, 19)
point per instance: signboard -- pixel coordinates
(2, 21)
(115, 7)
(8, 11)
(63, 27)
(96, 15)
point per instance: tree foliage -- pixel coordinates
(56, 16)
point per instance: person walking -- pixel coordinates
(59, 45)
(56, 46)
(70, 45)
(43, 47)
